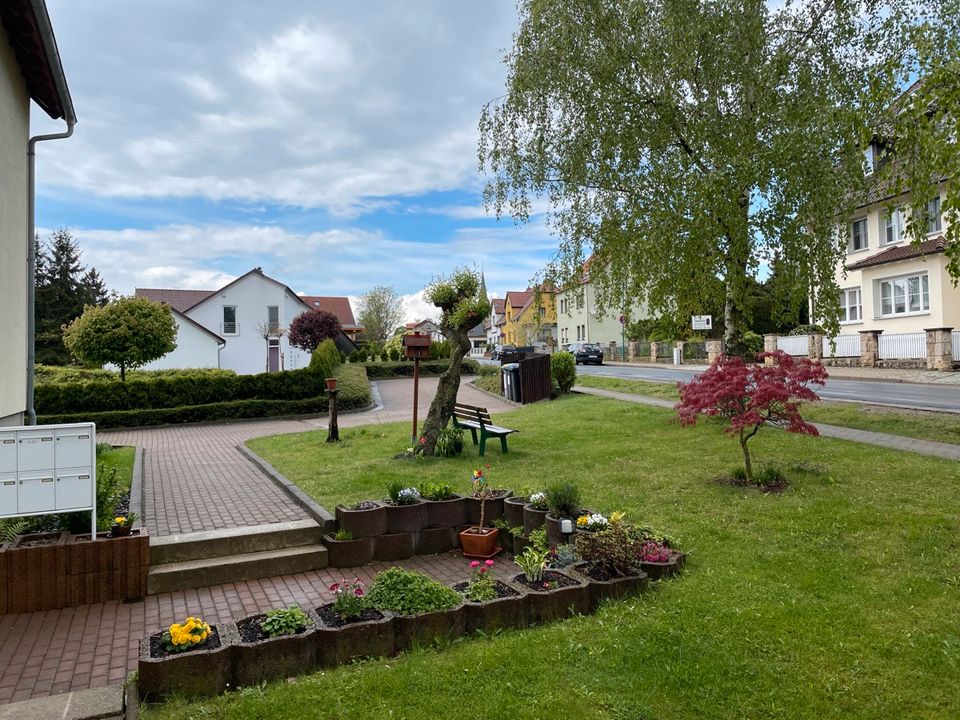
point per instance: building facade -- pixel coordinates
(579, 319)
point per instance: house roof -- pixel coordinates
(477, 331)
(498, 305)
(26, 23)
(179, 300)
(197, 325)
(339, 306)
(518, 298)
(905, 251)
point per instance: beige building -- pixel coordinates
(29, 70)
(579, 320)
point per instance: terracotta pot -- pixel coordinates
(533, 519)
(406, 518)
(394, 546)
(275, 658)
(349, 553)
(493, 509)
(331, 383)
(657, 570)
(194, 673)
(481, 544)
(554, 536)
(363, 523)
(432, 541)
(446, 513)
(370, 638)
(426, 628)
(513, 510)
(120, 530)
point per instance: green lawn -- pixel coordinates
(838, 599)
(940, 427)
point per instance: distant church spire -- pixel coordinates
(483, 286)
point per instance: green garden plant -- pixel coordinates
(563, 498)
(564, 370)
(285, 621)
(408, 593)
(532, 562)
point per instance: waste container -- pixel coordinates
(677, 356)
(511, 381)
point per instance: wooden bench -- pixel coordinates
(473, 418)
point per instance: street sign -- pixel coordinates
(623, 319)
(702, 322)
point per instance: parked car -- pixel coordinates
(586, 353)
(499, 350)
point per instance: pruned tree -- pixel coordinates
(312, 327)
(128, 332)
(685, 142)
(749, 396)
(381, 310)
(461, 307)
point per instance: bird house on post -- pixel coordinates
(416, 346)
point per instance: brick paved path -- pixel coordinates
(45, 653)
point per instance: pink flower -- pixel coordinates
(475, 564)
(489, 563)
(358, 592)
(483, 569)
(334, 587)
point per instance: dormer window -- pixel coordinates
(869, 159)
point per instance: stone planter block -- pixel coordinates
(550, 605)
(614, 589)
(195, 673)
(493, 511)
(349, 553)
(276, 658)
(520, 543)
(406, 518)
(446, 513)
(554, 536)
(338, 646)
(425, 628)
(433, 541)
(659, 570)
(497, 614)
(394, 546)
(363, 523)
(513, 510)
(533, 519)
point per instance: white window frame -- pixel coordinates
(902, 282)
(845, 305)
(869, 160)
(933, 217)
(273, 326)
(224, 321)
(894, 227)
(866, 236)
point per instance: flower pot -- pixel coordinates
(554, 536)
(657, 570)
(427, 628)
(258, 661)
(349, 553)
(498, 614)
(520, 543)
(432, 541)
(533, 519)
(369, 522)
(394, 546)
(331, 383)
(120, 530)
(613, 588)
(493, 509)
(446, 513)
(340, 642)
(513, 510)
(406, 518)
(202, 672)
(479, 543)
(546, 605)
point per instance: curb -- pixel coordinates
(513, 403)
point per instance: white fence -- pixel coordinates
(846, 346)
(794, 344)
(903, 346)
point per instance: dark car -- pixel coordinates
(586, 353)
(499, 350)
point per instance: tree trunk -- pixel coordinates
(441, 409)
(747, 466)
(739, 244)
(123, 372)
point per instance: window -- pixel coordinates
(904, 295)
(868, 160)
(273, 318)
(229, 320)
(933, 215)
(850, 309)
(858, 235)
(894, 227)
(580, 302)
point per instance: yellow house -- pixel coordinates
(530, 318)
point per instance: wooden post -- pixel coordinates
(333, 430)
(416, 396)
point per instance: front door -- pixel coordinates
(273, 355)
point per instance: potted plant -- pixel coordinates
(657, 559)
(122, 525)
(344, 550)
(479, 541)
(552, 594)
(276, 644)
(350, 628)
(609, 561)
(490, 604)
(192, 659)
(592, 522)
(445, 509)
(563, 499)
(423, 609)
(364, 519)
(406, 510)
(535, 512)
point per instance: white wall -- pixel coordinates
(246, 352)
(14, 133)
(195, 349)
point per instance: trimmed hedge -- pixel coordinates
(382, 371)
(352, 383)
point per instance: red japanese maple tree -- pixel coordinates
(751, 396)
(312, 327)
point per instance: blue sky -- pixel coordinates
(332, 145)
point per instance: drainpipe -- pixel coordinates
(70, 117)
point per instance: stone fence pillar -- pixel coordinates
(714, 350)
(815, 347)
(939, 348)
(632, 348)
(614, 352)
(769, 346)
(654, 346)
(869, 347)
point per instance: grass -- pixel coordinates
(836, 599)
(936, 426)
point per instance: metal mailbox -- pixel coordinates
(73, 489)
(8, 493)
(72, 447)
(36, 493)
(8, 451)
(416, 345)
(35, 449)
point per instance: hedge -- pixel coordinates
(354, 395)
(385, 370)
(325, 359)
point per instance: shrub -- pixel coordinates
(394, 354)
(286, 621)
(563, 499)
(752, 344)
(806, 330)
(312, 327)
(449, 442)
(325, 359)
(381, 371)
(610, 551)
(409, 593)
(564, 370)
(436, 491)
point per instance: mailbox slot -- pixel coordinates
(73, 489)
(36, 492)
(8, 494)
(8, 452)
(35, 450)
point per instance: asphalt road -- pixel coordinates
(908, 395)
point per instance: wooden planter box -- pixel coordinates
(195, 673)
(446, 513)
(73, 571)
(533, 519)
(363, 523)
(275, 658)
(349, 553)
(406, 518)
(425, 628)
(340, 645)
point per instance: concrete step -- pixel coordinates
(232, 568)
(233, 541)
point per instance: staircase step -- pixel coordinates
(233, 541)
(233, 568)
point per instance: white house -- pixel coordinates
(427, 327)
(494, 323)
(241, 326)
(30, 69)
(579, 319)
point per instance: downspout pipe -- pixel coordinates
(70, 117)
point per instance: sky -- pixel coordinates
(332, 144)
